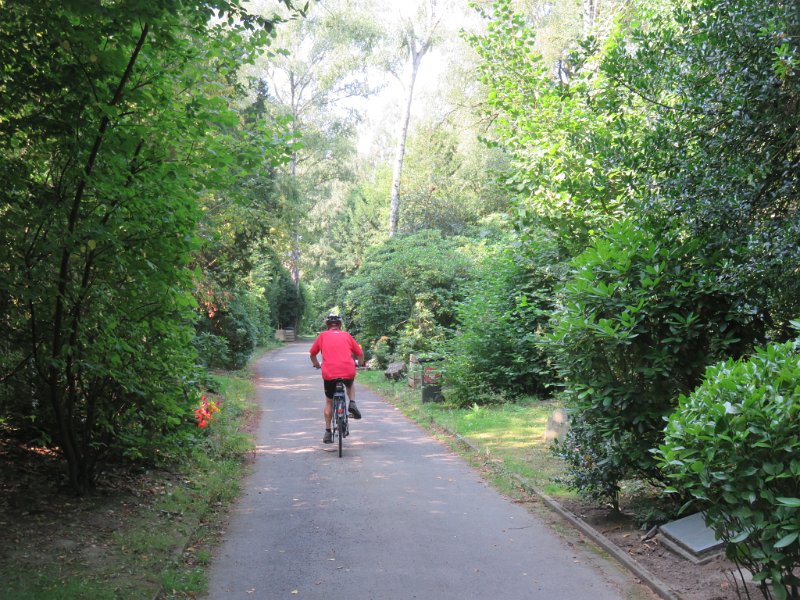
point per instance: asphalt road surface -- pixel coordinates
(399, 516)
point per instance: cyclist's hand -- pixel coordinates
(317, 366)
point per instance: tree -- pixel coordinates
(497, 350)
(235, 284)
(314, 83)
(446, 184)
(112, 124)
(417, 34)
(685, 125)
(574, 143)
(640, 316)
(720, 84)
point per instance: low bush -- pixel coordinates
(733, 445)
(382, 352)
(228, 334)
(594, 466)
(211, 349)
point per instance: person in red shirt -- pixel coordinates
(338, 348)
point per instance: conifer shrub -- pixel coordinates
(496, 351)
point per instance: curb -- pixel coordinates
(655, 584)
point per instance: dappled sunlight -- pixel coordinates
(272, 383)
(277, 450)
(510, 438)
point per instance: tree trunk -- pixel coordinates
(402, 133)
(59, 379)
(589, 15)
(295, 253)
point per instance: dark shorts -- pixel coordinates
(330, 386)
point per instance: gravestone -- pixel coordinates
(395, 371)
(414, 372)
(557, 426)
(691, 538)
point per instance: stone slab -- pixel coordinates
(692, 534)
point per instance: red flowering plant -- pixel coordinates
(205, 412)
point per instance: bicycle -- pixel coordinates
(339, 426)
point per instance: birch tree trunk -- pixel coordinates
(589, 15)
(402, 134)
(418, 37)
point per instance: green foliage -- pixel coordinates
(720, 83)
(382, 352)
(231, 333)
(685, 118)
(595, 465)
(638, 324)
(286, 300)
(406, 290)
(114, 119)
(732, 444)
(572, 141)
(212, 349)
(497, 347)
(339, 250)
(444, 181)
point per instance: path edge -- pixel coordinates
(653, 582)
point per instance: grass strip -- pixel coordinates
(508, 434)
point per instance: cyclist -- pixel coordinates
(338, 349)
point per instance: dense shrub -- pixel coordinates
(500, 325)
(406, 290)
(733, 445)
(381, 352)
(228, 334)
(260, 315)
(641, 318)
(595, 464)
(212, 349)
(286, 300)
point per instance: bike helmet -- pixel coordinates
(333, 318)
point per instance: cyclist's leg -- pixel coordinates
(328, 412)
(351, 394)
(351, 391)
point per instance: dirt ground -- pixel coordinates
(717, 579)
(47, 534)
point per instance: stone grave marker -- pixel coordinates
(691, 538)
(557, 426)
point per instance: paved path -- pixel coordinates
(398, 517)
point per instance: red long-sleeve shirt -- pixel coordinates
(338, 348)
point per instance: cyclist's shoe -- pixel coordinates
(327, 438)
(353, 410)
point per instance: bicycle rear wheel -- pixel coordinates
(340, 429)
